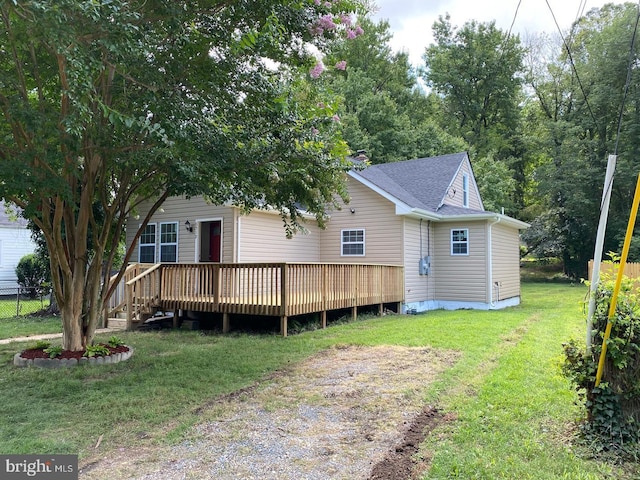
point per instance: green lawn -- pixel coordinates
(513, 410)
(25, 326)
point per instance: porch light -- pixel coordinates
(188, 226)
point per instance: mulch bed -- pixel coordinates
(33, 353)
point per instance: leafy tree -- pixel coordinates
(385, 111)
(496, 184)
(577, 115)
(107, 104)
(477, 70)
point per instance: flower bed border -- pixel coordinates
(114, 358)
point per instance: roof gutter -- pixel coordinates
(491, 216)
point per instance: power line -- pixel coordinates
(514, 19)
(628, 82)
(573, 67)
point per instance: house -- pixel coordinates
(425, 215)
(15, 242)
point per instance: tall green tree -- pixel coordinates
(476, 69)
(580, 99)
(104, 104)
(384, 109)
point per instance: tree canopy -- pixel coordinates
(107, 103)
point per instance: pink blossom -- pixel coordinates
(341, 65)
(336, 118)
(317, 2)
(316, 70)
(351, 34)
(326, 22)
(327, 4)
(345, 18)
(359, 30)
(315, 131)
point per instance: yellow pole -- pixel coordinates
(616, 289)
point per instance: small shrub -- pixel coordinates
(115, 341)
(40, 345)
(613, 408)
(96, 351)
(53, 352)
(32, 275)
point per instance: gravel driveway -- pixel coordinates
(333, 416)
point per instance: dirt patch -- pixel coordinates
(339, 415)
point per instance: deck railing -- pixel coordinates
(275, 289)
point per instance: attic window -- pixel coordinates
(352, 243)
(465, 190)
(460, 242)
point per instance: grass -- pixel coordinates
(513, 410)
(25, 326)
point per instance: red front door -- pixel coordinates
(215, 241)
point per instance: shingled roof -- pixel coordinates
(420, 183)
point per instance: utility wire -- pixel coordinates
(514, 20)
(573, 67)
(632, 52)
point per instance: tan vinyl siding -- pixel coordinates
(460, 278)
(376, 216)
(195, 210)
(263, 239)
(418, 287)
(505, 256)
(454, 196)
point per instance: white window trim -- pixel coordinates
(161, 243)
(343, 243)
(459, 242)
(155, 247)
(465, 190)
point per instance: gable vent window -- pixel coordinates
(465, 190)
(460, 242)
(352, 243)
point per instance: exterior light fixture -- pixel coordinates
(188, 226)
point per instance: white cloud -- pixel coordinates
(411, 20)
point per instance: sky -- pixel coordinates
(411, 20)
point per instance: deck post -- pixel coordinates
(354, 313)
(176, 315)
(323, 318)
(129, 294)
(381, 309)
(284, 299)
(225, 322)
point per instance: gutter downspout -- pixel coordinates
(490, 262)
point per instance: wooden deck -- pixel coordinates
(270, 289)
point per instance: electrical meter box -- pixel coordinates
(424, 266)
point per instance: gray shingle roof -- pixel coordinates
(420, 183)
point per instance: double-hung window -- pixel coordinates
(147, 248)
(460, 242)
(352, 243)
(169, 242)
